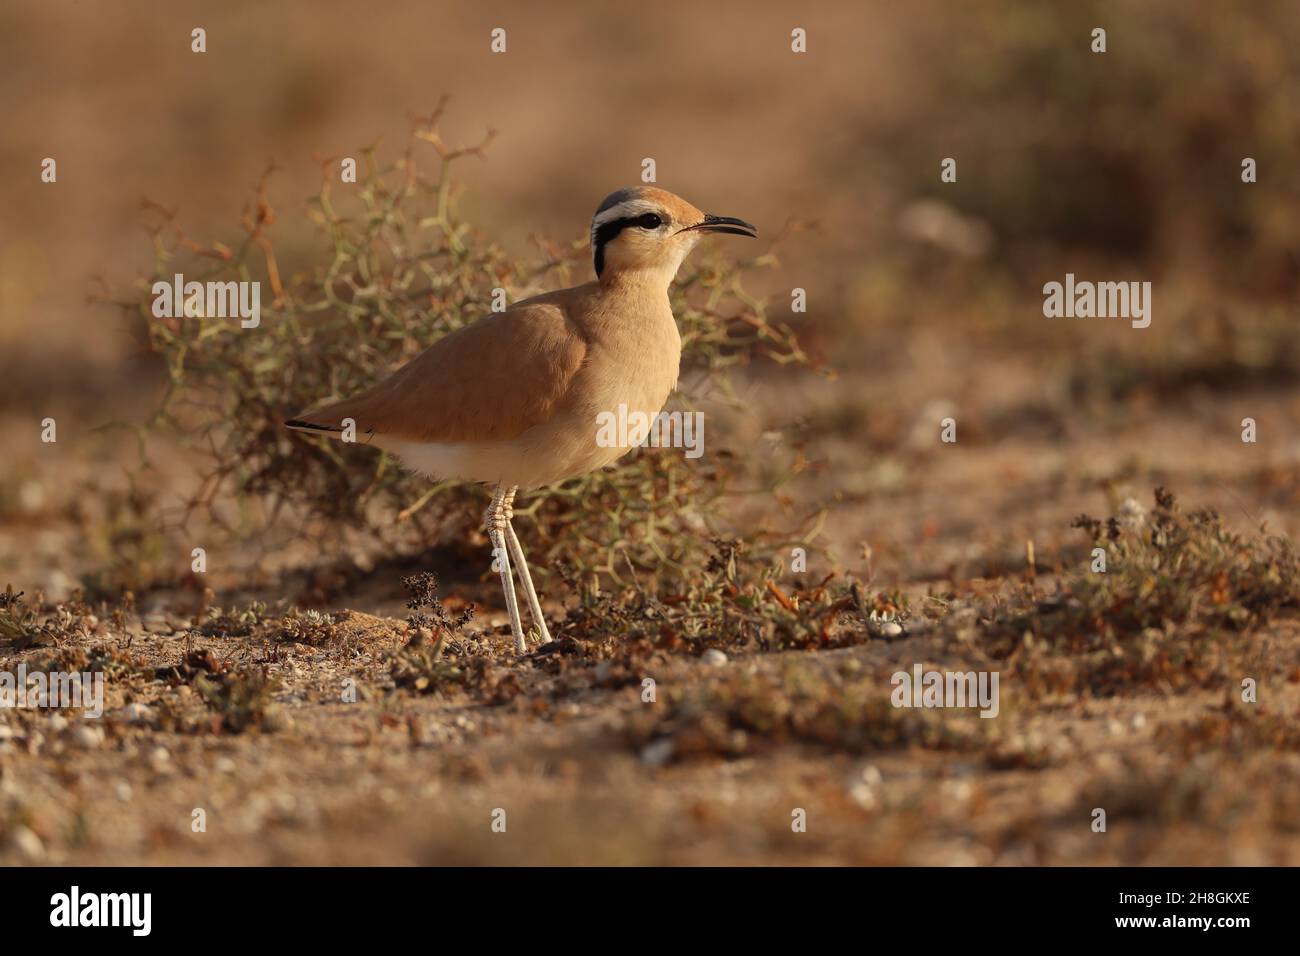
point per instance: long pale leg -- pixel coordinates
(517, 552)
(496, 524)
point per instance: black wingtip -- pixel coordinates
(311, 426)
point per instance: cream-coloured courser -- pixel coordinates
(514, 398)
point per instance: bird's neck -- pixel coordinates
(633, 303)
(645, 281)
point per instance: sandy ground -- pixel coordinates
(563, 749)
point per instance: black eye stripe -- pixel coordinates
(607, 231)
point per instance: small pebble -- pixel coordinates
(27, 844)
(88, 737)
(865, 791)
(958, 791)
(886, 627)
(137, 714)
(658, 752)
(714, 657)
(31, 497)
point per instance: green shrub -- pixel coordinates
(396, 268)
(1174, 606)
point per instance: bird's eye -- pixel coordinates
(650, 221)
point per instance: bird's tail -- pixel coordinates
(302, 425)
(364, 413)
(327, 420)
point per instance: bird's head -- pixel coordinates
(649, 230)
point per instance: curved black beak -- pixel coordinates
(727, 224)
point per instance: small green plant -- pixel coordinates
(124, 533)
(309, 627)
(240, 700)
(113, 662)
(425, 670)
(1178, 592)
(21, 626)
(424, 665)
(234, 622)
(428, 617)
(1184, 568)
(192, 665)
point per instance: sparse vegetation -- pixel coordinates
(1184, 569)
(234, 622)
(400, 268)
(1234, 729)
(840, 706)
(736, 600)
(20, 626)
(421, 665)
(1176, 588)
(114, 663)
(125, 534)
(309, 627)
(240, 700)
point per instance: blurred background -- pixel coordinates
(924, 296)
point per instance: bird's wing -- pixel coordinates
(488, 381)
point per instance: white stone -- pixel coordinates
(27, 844)
(658, 752)
(87, 736)
(714, 657)
(137, 714)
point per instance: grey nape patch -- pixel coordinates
(614, 198)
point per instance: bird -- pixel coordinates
(513, 398)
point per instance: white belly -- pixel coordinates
(638, 372)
